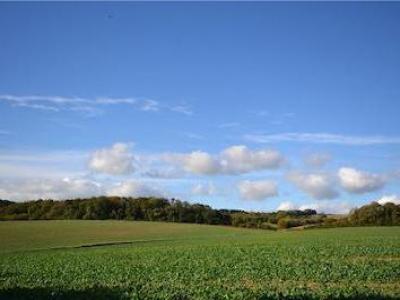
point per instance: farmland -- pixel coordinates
(151, 260)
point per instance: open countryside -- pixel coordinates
(200, 150)
(152, 260)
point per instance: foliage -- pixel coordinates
(376, 214)
(117, 208)
(160, 209)
(373, 214)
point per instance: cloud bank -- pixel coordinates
(118, 160)
(70, 188)
(46, 188)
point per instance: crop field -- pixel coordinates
(143, 260)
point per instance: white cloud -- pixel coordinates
(389, 199)
(324, 206)
(70, 188)
(240, 159)
(233, 160)
(117, 160)
(45, 188)
(322, 138)
(317, 160)
(50, 99)
(317, 185)
(88, 106)
(38, 106)
(150, 105)
(199, 162)
(133, 188)
(183, 109)
(204, 189)
(287, 205)
(257, 190)
(328, 207)
(359, 182)
(113, 101)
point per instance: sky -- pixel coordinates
(255, 106)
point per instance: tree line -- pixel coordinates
(173, 210)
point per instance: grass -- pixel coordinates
(186, 261)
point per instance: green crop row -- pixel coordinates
(318, 264)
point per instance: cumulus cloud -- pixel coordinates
(117, 160)
(201, 189)
(389, 199)
(240, 159)
(317, 160)
(233, 160)
(317, 185)
(133, 188)
(257, 190)
(359, 182)
(199, 162)
(45, 188)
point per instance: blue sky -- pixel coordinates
(237, 105)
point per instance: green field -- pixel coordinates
(149, 260)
